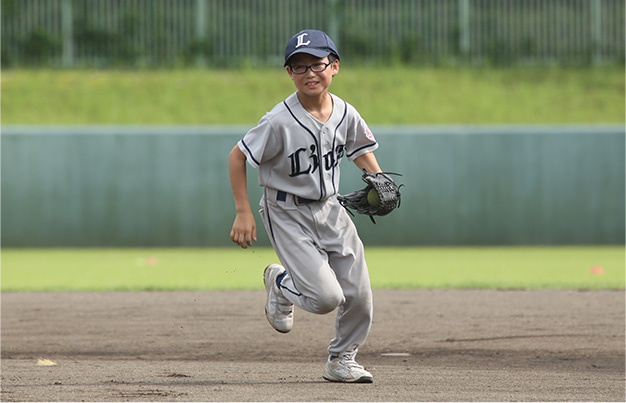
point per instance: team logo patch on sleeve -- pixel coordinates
(368, 133)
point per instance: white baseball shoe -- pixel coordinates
(278, 309)
(345, 369)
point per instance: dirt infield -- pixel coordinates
(216, 346)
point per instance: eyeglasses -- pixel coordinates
(316, 68)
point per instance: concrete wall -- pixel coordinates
(169, 186)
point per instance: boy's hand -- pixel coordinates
(244, 230)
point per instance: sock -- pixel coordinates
(280, 278)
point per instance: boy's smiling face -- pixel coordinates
(310, 83)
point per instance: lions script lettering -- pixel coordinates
(299, 160)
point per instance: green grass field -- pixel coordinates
(579, 268)
(383, 96)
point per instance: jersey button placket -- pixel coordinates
(327, 148)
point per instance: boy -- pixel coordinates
(297, 148)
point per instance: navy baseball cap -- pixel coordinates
(310, 41)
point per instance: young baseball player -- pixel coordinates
(297, 148)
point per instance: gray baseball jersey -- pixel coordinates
(297, 154)
(316, 241)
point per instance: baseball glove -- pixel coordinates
(380, 197)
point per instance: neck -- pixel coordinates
(321, 107)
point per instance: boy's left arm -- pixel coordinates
(368, 162)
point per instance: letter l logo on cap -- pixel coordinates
(301, 41)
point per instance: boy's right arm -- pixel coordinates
(244, 227)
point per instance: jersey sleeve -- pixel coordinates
(257, 144)
(360, 139)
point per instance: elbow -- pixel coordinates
(236, 156)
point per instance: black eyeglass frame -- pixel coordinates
(291, 68)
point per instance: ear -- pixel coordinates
(289, 72)
(335, 67)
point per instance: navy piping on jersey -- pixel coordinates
(345, 112)
(317, 149)
(250, 152)
(362, 148)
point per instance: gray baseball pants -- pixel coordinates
(318, 245)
